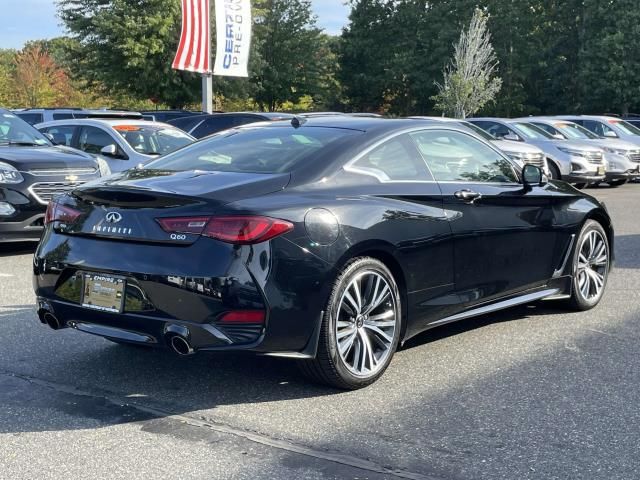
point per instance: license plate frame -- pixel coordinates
(104, 293)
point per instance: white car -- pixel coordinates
(623, 158)
(120, 144)
(520, 153)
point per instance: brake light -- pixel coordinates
(245, 230)
(240, 229)
(194, 225)
(57, 212)
(243, 316)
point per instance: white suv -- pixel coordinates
(121, 144)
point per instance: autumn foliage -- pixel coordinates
(39, 82)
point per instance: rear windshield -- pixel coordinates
(153, 140)
(256, 150)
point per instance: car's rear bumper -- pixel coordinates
(187, 291)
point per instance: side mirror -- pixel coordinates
(532, 176)
(109, 150)
(511, 137)
(610, 134)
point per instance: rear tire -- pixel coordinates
(360, 328)
(591, 266)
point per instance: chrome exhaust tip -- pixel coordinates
(51, 320)
(181, 346)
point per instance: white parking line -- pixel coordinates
(5, 275)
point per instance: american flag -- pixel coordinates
(194, 48)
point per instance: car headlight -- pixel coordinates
(616, 151)
(9, 174)
(569, 151)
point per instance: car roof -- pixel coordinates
(103, 122)
(589, 117)
(364, 124)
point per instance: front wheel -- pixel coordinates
(591, 265)
(360, 329)
(617, 183)
(554, 171)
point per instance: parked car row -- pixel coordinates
(579, 149)
(84, 144)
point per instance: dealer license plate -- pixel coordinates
(103, 292)
(601, 171)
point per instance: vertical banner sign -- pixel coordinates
(233, 37)
(194, 49)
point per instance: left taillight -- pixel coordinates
(238, 229)
(57, 212)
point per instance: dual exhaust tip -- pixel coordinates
(51, 320)
(178, 342)
(180, 345)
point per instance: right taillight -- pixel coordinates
(57, 212)
(237, 229)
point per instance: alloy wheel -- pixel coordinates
(367, 317)
(593, 265)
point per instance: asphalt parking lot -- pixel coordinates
(533, 392)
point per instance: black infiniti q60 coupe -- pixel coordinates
(329, 241)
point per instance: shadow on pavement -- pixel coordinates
(18, 248)
(627, 248)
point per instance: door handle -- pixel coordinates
(468, 196)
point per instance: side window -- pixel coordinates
(62, 116)
(496, 129)
(62, 135)
(396, 159)
(31, 118)
(457, 157)
(599, 128)
(93, 139)
(213, 125)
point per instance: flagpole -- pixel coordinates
(207, 93)
(207, 78)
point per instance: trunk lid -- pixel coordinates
(126, 206)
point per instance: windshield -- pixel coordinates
(479, 131)
(575, 131)
(15, 131)
(626, 127)
(153, 139)
(531, 132)
(256, 150)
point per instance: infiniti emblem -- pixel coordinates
(113, 217)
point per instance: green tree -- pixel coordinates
(469, 81)
(609, 56)
(127, 46)
(7, 71)
(285, 66)
(366, 54)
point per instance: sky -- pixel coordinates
(23, 20)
